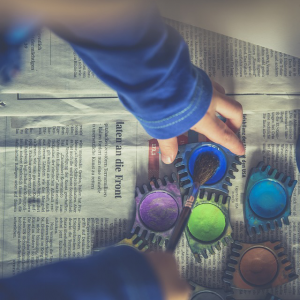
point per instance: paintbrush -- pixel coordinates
(205, 167)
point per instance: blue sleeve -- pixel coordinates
(148, 64)
(116, 273)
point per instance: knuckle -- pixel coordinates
(227, 136)
(167, 146)
(239, 108)
(238, 113)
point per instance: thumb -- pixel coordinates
(168, 149)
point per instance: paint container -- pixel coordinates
(188, 154)
(267, 199)
(209, 225)
(203, 293)
(258, 266)
(157, 209)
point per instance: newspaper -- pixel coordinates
(263, 81)
(70, 164)
(241, 67)
(269, 23)
(66, 188)
(55, 66)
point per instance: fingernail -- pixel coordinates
(167, 159)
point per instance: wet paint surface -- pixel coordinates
(258, 266)
(267, 199)
(207, 222)
(221, 170)
(159, 211)
(207, 296)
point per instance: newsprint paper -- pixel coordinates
(70, 159)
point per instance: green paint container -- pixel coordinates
(207, 222)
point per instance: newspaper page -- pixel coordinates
(269, 132)
(270, 23)
(44, 106)
(51, 65)
(61, 196)
(66, 188)
(241, 67)
(270, 137)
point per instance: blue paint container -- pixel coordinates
(267, 199)
(216, 151)
(227, 165)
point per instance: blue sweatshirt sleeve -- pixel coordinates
(115, 273)
(147, 62)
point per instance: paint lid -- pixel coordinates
(267, 198)
(258, 266)
(207, 222)
(207, 295)
(159, 211)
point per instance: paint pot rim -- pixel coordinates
(269, 252)
(154, 192)
(251, 204)
(218, 297)
(217, 151)
(219, 236)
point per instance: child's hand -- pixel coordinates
(165, 266)
(212, 127)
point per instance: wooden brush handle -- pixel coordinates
(179, 228)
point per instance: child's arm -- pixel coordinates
(115, 273)
(147, 62)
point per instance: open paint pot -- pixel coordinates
(188, 155)
(207, 223)
(267, 199)
(203, 293)
(157, 210)
(216, 152)
(209, 226)
(257, 266)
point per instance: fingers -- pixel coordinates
(168, 149)
(220, 133)
(218, 87)
(230, 109)
(164, 264)
(213, 128)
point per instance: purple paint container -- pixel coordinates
(159, 211)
